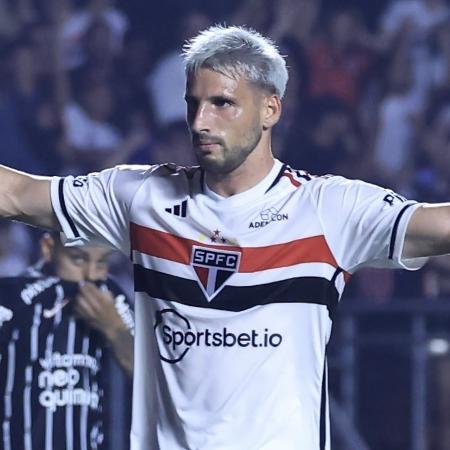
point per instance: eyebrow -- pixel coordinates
(190, 98)
(81, 252)
(76, 251)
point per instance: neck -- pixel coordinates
(248, 174)
(257, 165)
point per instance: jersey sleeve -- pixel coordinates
(94, 209)
(364, 224)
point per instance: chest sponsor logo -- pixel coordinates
(213, 268)
(268, 216)
(66, 380)
(176, 337)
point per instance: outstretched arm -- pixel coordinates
(26, 198)
(428, 232)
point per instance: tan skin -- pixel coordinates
(224, 116)
(93, 305)
(27, 198)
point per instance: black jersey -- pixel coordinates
(51, 384)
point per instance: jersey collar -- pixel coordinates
(250, 194)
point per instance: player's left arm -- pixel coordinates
(428, 231)
(97, 307)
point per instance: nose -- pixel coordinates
(91, 272)
(200, 120)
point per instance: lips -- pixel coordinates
(207, 145)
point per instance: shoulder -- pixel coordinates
(173, 170)
(335, 189)
(32, 289)
(10, 286)
(327, 181)
(312, 181)
(336, 183)
(171, 181)
(21, 293)
(142, 173)
(134, 174)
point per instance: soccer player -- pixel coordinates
(57, 322)
(239, 263)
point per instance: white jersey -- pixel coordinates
(234, 296)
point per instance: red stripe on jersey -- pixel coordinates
(295, 182)
(253, 259)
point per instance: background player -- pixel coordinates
(58, 323)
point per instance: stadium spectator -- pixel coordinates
(325, 140)
(76, 24)
(166, 83)
(398, 114)
(339, 63)
(15, 244)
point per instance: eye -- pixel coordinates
(78, 260)
(102, 265)
(222, 102)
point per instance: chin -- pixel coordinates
(220, 168)
(210, 165)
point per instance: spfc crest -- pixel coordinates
(213, 268)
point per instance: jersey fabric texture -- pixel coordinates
(234, 296)
(51, 379)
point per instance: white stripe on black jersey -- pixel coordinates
(50, 368)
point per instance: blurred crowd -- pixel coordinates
(89, 84)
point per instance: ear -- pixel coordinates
(47, 244)
(271, 111)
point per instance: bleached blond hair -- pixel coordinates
(238, 52)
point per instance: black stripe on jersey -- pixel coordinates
(278, 178)
(394, 231)
(64, 208)
(336, 273)
(323, 408)
(332, 308)
(313, 290)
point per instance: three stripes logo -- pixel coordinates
(179, 210)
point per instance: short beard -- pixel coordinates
(234, 156)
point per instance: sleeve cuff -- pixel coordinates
(398, 239)
(59, 206)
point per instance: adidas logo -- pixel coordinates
(178, 210)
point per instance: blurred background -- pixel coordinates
(87, 84)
